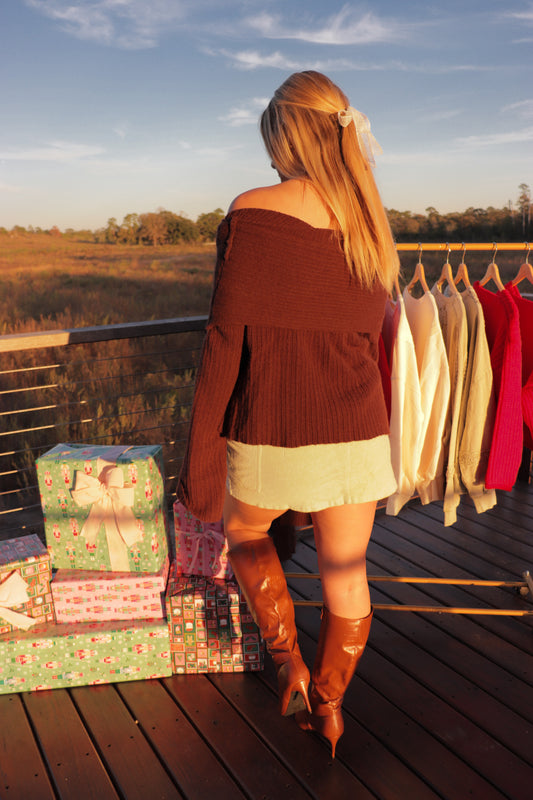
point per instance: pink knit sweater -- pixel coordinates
(290, 354)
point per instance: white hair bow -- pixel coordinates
(367, 141)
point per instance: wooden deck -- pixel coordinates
(441, 707)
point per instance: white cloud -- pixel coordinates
(245, 115)
(254, 59)
(129, 24)
(525, 16)
(495, 139)
(57, 151)
(523, 107)
(345, 27)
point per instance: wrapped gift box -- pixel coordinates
(211, 628)
(83, 654)
(201, 547)
(104, 507)
(84, 595)
(25, 574)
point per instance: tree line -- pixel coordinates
(511, 224)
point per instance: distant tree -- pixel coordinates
(524, 206)
(153, 228)
(207, 224)
(179, 228)
(129, 230)
(112, 230)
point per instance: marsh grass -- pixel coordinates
(133, 391)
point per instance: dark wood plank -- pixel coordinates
(458, 641)
(460, 739)
(253, 765)
(23, 774)
(411, 543)
(132, 764)
(495, 545)
(71, 757)
(306, 757)
(186, 756)
(387, 716)
(360, 755)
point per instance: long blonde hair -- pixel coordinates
(304, 139)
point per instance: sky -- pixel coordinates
(112, 107)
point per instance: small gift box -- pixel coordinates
(211, 628)
(83, 654)
(85, 595)
(104, 507)
(25, 574)
(201, 547)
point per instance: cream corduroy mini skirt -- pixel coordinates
(311, 477)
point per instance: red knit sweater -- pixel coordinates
(503, 336)
(290, 354)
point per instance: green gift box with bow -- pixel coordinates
(104, 507)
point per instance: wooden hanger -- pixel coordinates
(446, 276)
(419, 274)
(525, 271)
(492, 272)
(462, 272)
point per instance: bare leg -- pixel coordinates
(256, 565)
(243, 522)
(342, 535)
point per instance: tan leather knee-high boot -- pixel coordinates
(258, 570)
(341, 643)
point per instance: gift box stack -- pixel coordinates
(210, 625)
(104, 601)
(107, 533)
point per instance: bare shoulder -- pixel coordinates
(294, 197)
(262, 197)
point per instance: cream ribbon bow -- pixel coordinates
(14, 592)
(367, 141)
(112, 503)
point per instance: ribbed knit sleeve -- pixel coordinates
(202, 481)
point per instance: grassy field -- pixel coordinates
(49, 282)
(55, 282)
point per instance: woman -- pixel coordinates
(289, 410)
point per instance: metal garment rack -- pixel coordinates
(523, 587)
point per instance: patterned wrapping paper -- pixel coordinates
(104, 507)
(85, 595)
(201, 547)
(25, 576)
(211, 628)
(83, 654)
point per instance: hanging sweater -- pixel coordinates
(503, 335)
(525, 310)
(434, 377)
(406, 413)
(290, 356)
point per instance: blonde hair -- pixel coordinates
(304, 140)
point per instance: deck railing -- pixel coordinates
(113, 384)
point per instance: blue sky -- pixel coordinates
(110, 107)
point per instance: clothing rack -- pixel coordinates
(471, 246)
(523, 587)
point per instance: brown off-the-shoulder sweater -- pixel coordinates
(290, 354)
